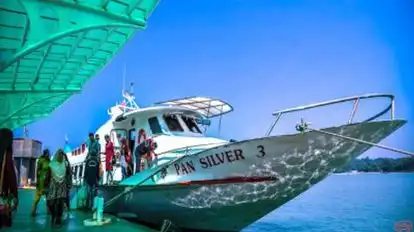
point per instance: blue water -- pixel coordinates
(361, 202)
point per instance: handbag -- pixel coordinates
(113, 161)
(5, 202)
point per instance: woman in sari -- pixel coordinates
(42, 170)
(68, 177)
(58, 187)
(8, 181)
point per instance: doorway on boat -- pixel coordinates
(116, 136)
(132, 136)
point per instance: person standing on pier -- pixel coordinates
(92, 169)
(68, 177)
(41, 171)
(8, 182)
(57, 193)
(109, 159)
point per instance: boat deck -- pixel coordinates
(23, 222)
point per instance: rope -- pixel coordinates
(303, 126)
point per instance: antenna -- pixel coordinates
(131, 88)
(123, 79)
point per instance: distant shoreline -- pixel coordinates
(385, 165)
(362, 172)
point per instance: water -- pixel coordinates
(362, 202)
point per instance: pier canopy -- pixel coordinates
(49, 49)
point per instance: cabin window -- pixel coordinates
(172, 122)
(154, 125)
(76, 172)
(81, 171)
(191, 124)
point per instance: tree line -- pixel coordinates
(405, 164)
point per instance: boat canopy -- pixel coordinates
(209, 107)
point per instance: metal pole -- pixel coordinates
(354, 108)
(273, 124)
(364, 142)
(221, 116)
(208, 112)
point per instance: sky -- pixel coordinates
(260, 56)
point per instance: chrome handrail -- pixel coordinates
(356, 100)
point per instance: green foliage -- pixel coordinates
(380, 165)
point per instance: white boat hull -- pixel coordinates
(243, 181)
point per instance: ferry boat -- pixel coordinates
(197, 182)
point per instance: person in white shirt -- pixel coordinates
(124, 166)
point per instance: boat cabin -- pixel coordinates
(188, 117)
(174, 124)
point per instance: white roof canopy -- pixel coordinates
(209, 107)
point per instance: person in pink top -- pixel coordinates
(109, 159)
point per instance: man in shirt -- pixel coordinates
(99, 144)
(92, 168)
(93, 147)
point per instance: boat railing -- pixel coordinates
(355, 99)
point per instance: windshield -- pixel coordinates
(173, 122)
(182, 123)
(191, 124)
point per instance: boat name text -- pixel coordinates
(209, 161)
